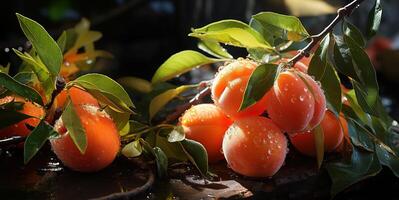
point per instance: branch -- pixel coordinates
(59, 86)
(194, 101)
(341, 13)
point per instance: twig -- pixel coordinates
(315, 39)
(194, 101)
(136, 191)
(59, 86)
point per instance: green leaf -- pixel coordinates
(5, 69)
(388, 159)
(260, 81)
(343, 59)
(176, 135)
(136, 126)
(158, 102)
(318, 64)
(180, 63)
(332, 89)
(85, 38)
(365, 71)
(108, 87)
(232, 32)
(20, 89)
(45, 46)
(25, 77)
(351, 31)
(197, 155)
(359, 136)
(121, 120)
(62, 41)
(172, 150)
(374, 19)
(10, 117)
(43, 75)
(363, 164)
(354, 105)
(132, 149)
(36, 140)
(162, 162)
(136, 84)
(282, 26)
(322, 70)
(105, 98)
(74, 126)
(319, 144)
(213, 48)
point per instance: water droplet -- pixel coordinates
(293, 100)
(269, 152)
(301, 98)
(305, 89)
(6, 49)
(285, 88)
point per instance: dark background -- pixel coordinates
(142, 34)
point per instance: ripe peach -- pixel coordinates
(254, 146)
(296, 103)
(333, 134)
(229, 86)
(29, 108)
(102, 141)
(206, 124)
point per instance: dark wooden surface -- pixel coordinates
(44, 178)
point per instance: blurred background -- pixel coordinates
(142, 34)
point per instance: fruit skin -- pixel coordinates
(229, 86)
(29, 108)
(78, 96)
(320, 103)
(206, 124)
(294, 106)
(333, 135)
(102, 136)
(255, 147)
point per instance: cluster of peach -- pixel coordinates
(255, 145)
(102, 136)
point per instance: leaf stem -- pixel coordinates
(194, 101)
(59, 86)
(315, 39)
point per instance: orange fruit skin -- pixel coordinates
(333, 134)
(206, 124)
(255, 147)
(292, 105)
(78, 96)
(229, 86)
(102, 136)
(29, 108)
(320, 103)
